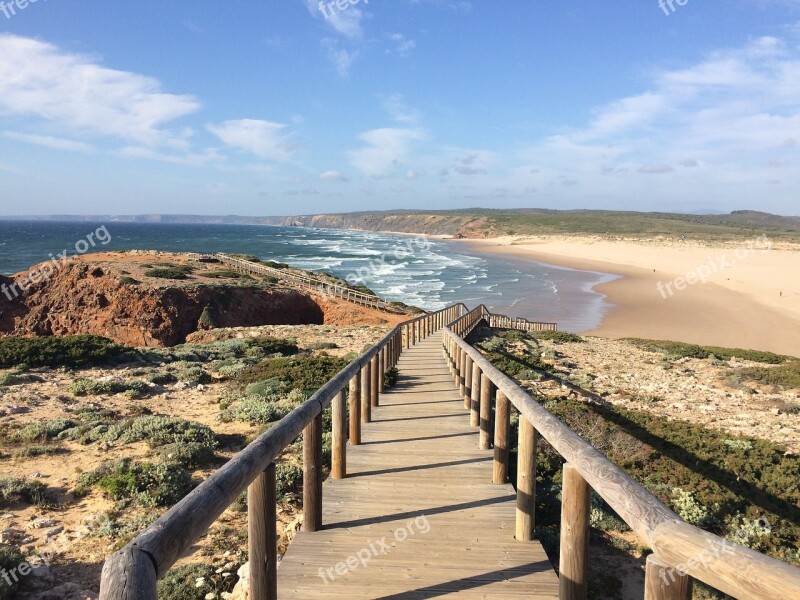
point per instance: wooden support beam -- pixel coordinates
(574, 557)
(312, 475)
(526, 480)
(475, 396)
(262, 537)
(485, 442)
(355, 410)
(502, 423)
(662, 582)
(339, 426)
(467, 393)
(375, 370)
(366, 393)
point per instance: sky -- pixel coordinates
(280, 107)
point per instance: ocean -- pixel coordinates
(430, 275)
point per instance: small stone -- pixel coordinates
(41, 524)
(54, 532)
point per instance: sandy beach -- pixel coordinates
(745, 296)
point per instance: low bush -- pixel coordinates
(390, 377)
(159, 431)
(71, 351)
(197, 581)
(45, 430)
(557, 337)
(93, 387)
(289, 479)
(307, 373)
(684, 350)
(170, 272)
(787, 375)
(256, 410)
(10, 558)
(38, 450)
(161, 484)
(15, 490)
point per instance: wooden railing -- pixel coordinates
(504, 322)
(681, 551)
(132, 572)
(319, 285)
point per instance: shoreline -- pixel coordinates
(751, 302)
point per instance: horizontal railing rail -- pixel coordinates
(313, 283)
(680, 550)
(132, 572)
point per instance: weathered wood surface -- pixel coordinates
(419, 463)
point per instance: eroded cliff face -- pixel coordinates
(106, 298)
(467, 226)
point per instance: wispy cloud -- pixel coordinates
(78, 94)
(384, 150)
(48, 141)
(264, 139)
(333, 176)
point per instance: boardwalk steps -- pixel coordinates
(418, 470)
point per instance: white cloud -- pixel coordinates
(333, 176)
(73, 91)
(384, 151)
(403, 45)
(346, 22)
(262, 138)
(48, 141)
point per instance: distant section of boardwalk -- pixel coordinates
(417, 515)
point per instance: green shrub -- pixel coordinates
(269, 388)
(10, 558)
(162, 431)
(684, 350)
(197, 581)
(44, 431)
(161, 378)
(208, 318)
(71, 351)
(324, 346)
(125, 280)
(307, 373)
(787, 375)
(91, 387)
(15, 490)
(557, 337)
(38, 450)
(161, 484)
(170, 272)
(390, 377)
(276, 265)
(226, 274)
(289, 479)
(256, 410)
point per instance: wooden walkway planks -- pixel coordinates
(417, 516)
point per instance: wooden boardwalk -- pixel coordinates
(417, 515)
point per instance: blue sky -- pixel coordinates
(269, 107)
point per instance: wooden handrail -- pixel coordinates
(320, 285)
(686, 549)
(132, 572)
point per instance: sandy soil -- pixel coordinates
(750, 297)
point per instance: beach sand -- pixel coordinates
(751, 297)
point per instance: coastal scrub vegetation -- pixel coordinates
(744, 489)
(684, 350)
(170, 271)
(77, 351)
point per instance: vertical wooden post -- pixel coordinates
(382, 370)
(485, 442)
(502, 423)
(662, 582)
(574, 558)
(376, 376)
(526, 480)
(262, 537)
(312, 475)
(414, 333)
(467, 381)
(355, 410)
(339, 426)
(462, 361)
(475, 396)
(366, 394)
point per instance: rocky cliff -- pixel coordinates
(110, 296)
